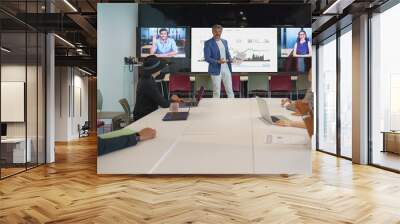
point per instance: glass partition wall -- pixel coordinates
(385, 90)
(22, 77)
(334, 94)
(326, 99)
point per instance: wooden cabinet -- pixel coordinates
(391, 142)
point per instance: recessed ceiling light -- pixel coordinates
(5, 50)
(64, 40)
(70, 5)
(86, 72)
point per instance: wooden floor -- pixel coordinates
(70, 191)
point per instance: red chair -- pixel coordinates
(281, 83)
(235, 85)
(180, 83)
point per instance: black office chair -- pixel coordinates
(84, 130)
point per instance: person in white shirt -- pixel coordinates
(216, 53)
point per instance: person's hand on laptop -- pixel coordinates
(147, 133)
(285, 123)
(289, 123)
(285, 101)
(297, 113)
(175, 98)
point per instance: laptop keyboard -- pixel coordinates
(274, 119)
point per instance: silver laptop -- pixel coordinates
(265, 114)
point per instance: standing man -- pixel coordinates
(216, 53)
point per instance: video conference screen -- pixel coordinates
(296, 42)
(283, 50)
(164, 42)
(295, 49)
(252, 49)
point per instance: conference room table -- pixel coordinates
(220, 136)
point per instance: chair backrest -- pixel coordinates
(235, 83)
(257, 82)
(280, 83)
(179, 82)
(125, 105)
(203, 80)
(99, 105)
(302, 82)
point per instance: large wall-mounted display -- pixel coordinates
(252, 49)
(261, 45)
(295, 49)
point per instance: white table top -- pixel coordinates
(13, 140)
(221, 136)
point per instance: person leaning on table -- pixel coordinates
(148, 96)
(306, 111)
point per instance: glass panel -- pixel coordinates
(31, 100)
(346, 94)
(327, 97)
(385, 84)
(13, 87)
(41, 99)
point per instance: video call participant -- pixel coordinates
(216, 53)
(163, 46)
(302, 47)
(148, 97)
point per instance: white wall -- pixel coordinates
(67, 116)
(116, 39)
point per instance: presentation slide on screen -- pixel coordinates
(163, 42)
(295, 39)
(254, 49)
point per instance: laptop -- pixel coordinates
(176, 116)
(265, 114)
(193, 102)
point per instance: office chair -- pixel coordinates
(127, 118)
(84, 130)
(99, 105)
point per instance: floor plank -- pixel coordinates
(70, 191)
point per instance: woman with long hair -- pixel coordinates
(302, 47)
(302, 50)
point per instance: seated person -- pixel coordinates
(308, 120)
(163, 46)
(308, 98)
(121, 139)
(148, 97)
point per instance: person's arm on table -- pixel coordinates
(155, 95)
(120, 139)
(290, 123)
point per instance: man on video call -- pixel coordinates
(163, 46)
(216, 53)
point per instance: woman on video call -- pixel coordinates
(302, 49)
